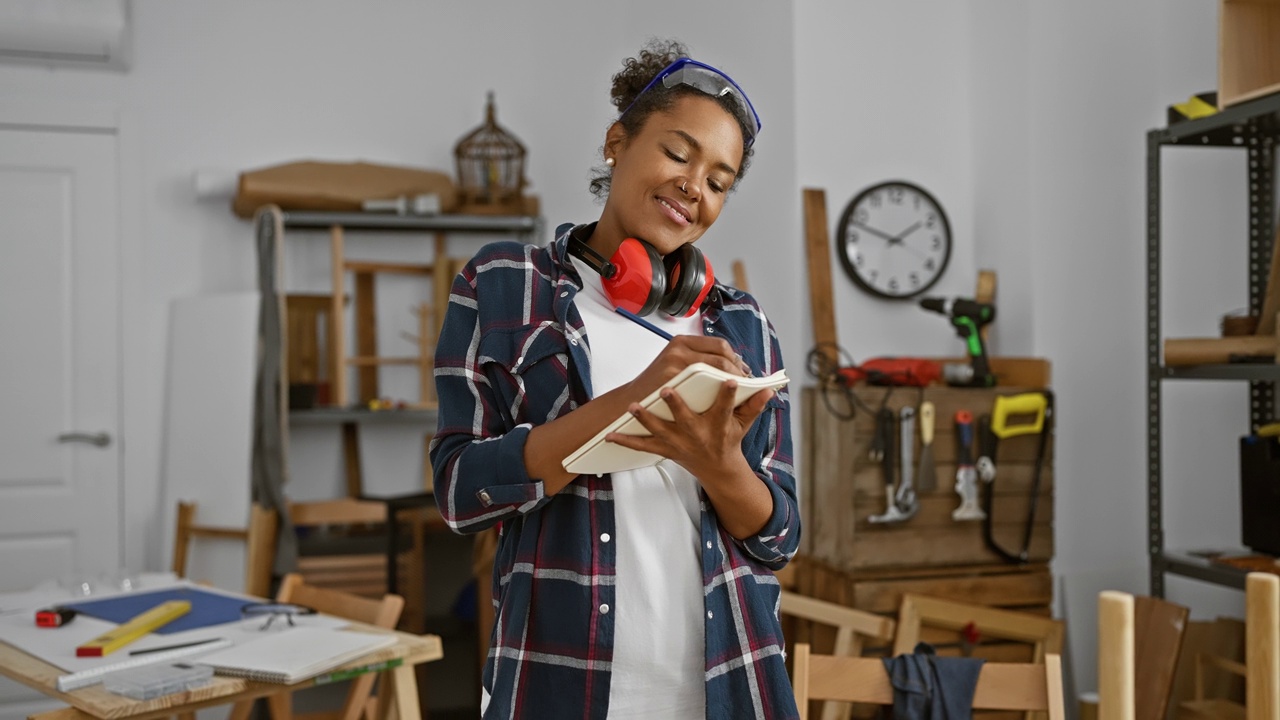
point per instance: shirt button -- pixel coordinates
(711, 615)
(484, 497)
(708, 544)
(604, 608)
(520, 360)
(573, 341)
(564, 294)
(604, 537)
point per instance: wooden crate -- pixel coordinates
(841, 487)
(1248, 50)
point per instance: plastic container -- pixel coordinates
(153, 681)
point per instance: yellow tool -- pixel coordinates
(1035, 414)
(1018, 406)
(1269, 430)
(126, 633)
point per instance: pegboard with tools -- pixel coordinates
(858, 517)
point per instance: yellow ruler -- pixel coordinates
(126, 633)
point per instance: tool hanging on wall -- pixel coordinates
(1033, 413)
(883, 449)
(966, 474)
(926, 475)
(896, 371)
(906, 495)
(969, 317)
(837, 377)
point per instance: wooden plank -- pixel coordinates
(740, 276)
(1159, 627)
(942, 546)
(831, 499)
(1262, 646)
(985, 292)
(1012, 589)
(366, 313)
(354, 474)
(361, 267)
(818, 251)
(1115, 656)
(302, 326)
(337, 319)
(886, 574)
(260, 550)
(369, 363)
(919, 611)
(830, 613)
(337, 512)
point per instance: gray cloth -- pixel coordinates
(268, 460)
(928, 687)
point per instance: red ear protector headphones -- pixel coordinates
(639, 280)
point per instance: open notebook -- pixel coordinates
(697, 384)
(293, 655)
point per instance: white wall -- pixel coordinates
(881, 95)
(243, 84)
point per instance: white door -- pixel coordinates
(60, 455)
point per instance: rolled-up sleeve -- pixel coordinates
(477, 457)
(770, 452)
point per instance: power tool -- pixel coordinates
(968, 317)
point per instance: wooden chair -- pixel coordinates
(917, 611)
(383, 613)
(1001, 686)
(852, 627)
(1261, 669)
(259, 538)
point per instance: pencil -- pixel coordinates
(644, 323)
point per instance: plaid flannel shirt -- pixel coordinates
(512, 354)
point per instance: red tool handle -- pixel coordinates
(54, 617)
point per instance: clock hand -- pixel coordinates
(911, 250)
(874, 231)
(900, 236)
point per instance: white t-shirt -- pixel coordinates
(659, 652)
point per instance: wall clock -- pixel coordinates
(893, 240)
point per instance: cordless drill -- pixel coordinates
(968, 317)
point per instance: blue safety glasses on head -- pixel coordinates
(711, 81)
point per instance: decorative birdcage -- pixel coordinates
(490, 163)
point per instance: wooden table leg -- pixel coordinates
(398, 696)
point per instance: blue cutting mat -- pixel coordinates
(207, 608)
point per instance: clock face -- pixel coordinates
(894, 240)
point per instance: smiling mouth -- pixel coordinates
(676, 210)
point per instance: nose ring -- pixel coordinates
(686, 182)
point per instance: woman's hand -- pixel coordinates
(709, 445)
(681, 352)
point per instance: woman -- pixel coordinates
(650, 592)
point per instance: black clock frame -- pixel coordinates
(842, 245)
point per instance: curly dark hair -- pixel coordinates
(635, 75)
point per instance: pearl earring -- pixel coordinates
(608, 161)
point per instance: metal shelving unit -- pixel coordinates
(1253, 127)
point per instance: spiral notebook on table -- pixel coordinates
(698, 385)
(294, 655)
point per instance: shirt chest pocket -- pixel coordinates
(528, 369)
